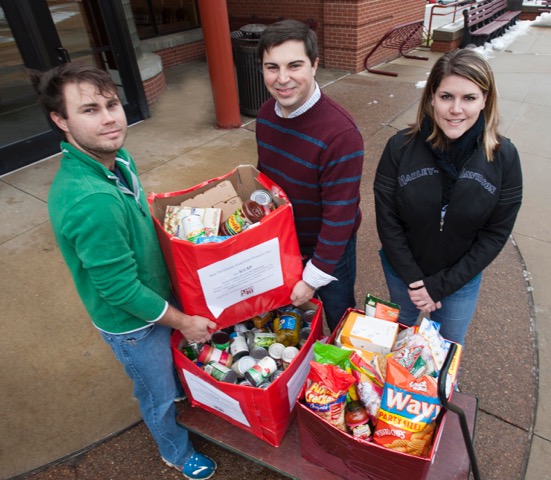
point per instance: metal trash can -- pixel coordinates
(250, 82)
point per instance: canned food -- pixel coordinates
(288, 355)
(276, 375)
(258, 352)
(307, 317)
(261, 371)
(221, 340)
(239, 348)
(190, 350)
(264, 199)
(241, 327)
(192, 228)
(265, 384)
(303, 335)
(261, 339)
(210, 353)
(242, 365)
(275, 350)
(220, 372)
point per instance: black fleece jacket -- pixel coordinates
(478, 221)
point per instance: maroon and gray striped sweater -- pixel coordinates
(317, 159)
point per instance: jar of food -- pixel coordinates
(287, 328)
(250, 212)
(260, 320)
(357, 420)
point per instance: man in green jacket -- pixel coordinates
(103, 227)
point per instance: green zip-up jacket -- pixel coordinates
(107, 238)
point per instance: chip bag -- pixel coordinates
(326, 392)
(408, 411)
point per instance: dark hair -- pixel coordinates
(49, 85)
(469, 64)
(285, 30)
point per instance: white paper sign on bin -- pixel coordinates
(243, 275)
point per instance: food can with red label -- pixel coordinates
(264, 199)
(261, 371)
(210, 353)
(220, 372)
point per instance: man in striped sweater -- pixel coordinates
(311, 147)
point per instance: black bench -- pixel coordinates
(487, 20)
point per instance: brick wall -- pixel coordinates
(188, 52)
(154, 87)
(347, 29)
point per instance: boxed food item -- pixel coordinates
(408, 423)
(244, 275)
(367, 333)
(383, 309)
(264, 412)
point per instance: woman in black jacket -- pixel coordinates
(447, 193)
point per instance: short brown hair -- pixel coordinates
(285, 30)
(49, 85)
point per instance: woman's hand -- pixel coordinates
(421, 298)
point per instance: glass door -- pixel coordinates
(40, 34)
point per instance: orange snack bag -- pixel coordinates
(409, 408)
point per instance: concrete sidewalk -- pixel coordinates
(179, 147)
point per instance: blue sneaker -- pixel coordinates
(198, 467)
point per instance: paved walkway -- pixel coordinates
(50, 402)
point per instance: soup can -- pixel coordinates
(220, 339)
(259, 373)
(287, 356)
(239, 348)
(220, 372)
(242, 365)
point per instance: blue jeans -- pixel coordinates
(454, 316)
(147, 359)
(338, 295)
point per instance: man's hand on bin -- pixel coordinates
(193, 327)
(302, 293)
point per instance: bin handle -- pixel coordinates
(442, 376)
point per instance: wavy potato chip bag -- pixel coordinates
(409, 408)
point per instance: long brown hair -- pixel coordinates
(468, 64)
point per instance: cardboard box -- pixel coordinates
(266, 413)
(325, 445)
(243, 276)
(367, 333)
